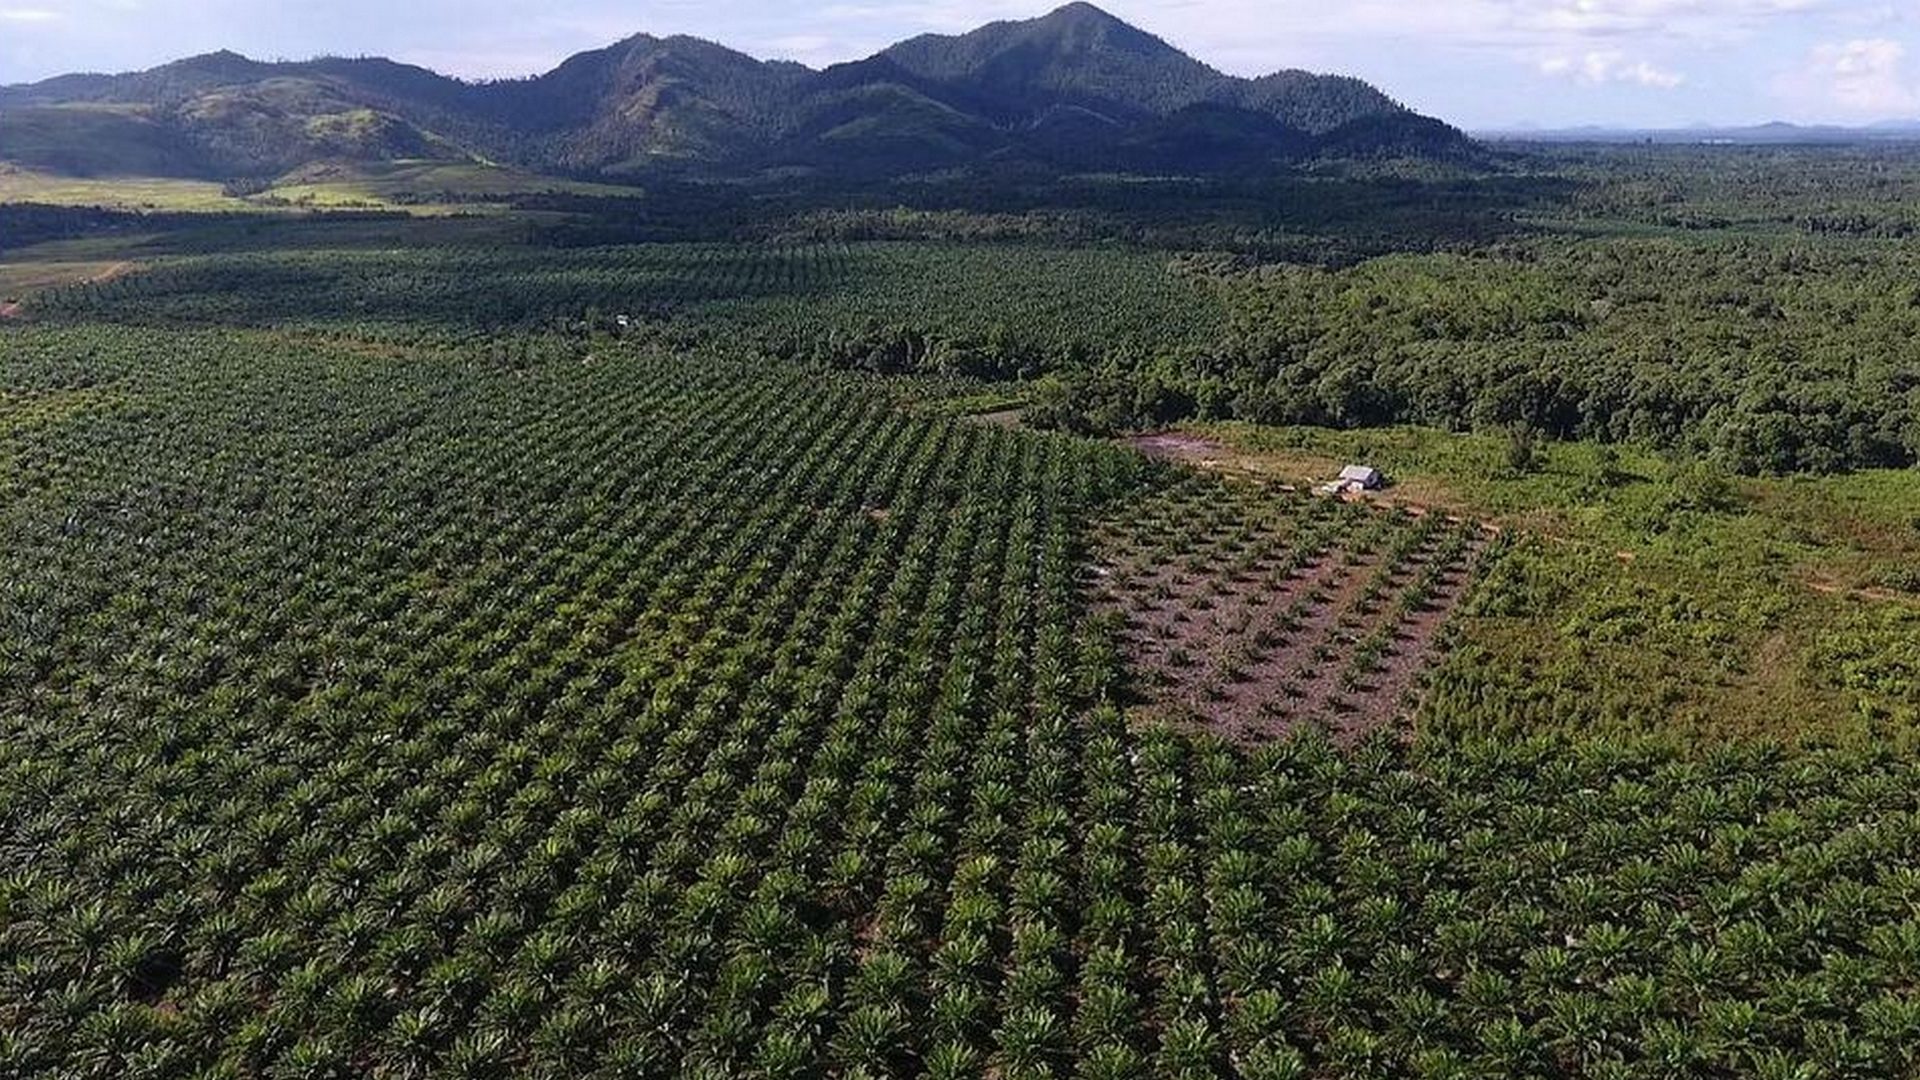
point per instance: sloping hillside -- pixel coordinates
(1073, 89)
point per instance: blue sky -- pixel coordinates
(1479, 63)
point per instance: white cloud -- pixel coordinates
(1866, 77)
(1534, 23)
(815, 49)
(1598, 68)
(27, 15)
(1241, 27)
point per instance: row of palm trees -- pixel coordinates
(682, 715)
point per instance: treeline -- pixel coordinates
(1764, 357)
(1327, 220)
(25, 224)
(1769, 357)
(1862, 190)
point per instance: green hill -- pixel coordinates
(1074, 89)
(88, 140)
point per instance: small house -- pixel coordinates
(1361, 478)
(1354, 480)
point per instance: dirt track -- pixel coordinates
(54, 275)
(1875, 595)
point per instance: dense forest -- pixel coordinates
(1770, 358)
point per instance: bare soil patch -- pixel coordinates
(1254, 611)
(1175, 446)
(22, 280)
(1297, 468)
(1827, 586)
(1009, 419)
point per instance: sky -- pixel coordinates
(1481, 64)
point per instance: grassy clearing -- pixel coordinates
(21, 280)
(423, 185)
(116, 193)
(418, 187)
(1646, 594)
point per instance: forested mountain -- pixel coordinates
(1077, 55)
(222, 115)
(1080, 55)
(644, 98)
(1075, 89)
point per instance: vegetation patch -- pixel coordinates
(20, 279)
(411, 667)
(1642, 593)
(169, 194)
(422, 185)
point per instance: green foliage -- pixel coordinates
(951, 309)
(1700, 487)
(1523, 448)
(372, 709)
(1634, 593)
(424, 677)
(1570, 341)
(92, 140)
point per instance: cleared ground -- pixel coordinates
(1643, 594)
(20, 280)
(415, 185)
(1252, 610)
(19, 185)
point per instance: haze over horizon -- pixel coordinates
(1484, 64)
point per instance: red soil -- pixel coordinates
(1247, 646)
(1176, 447)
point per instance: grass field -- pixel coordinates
(119, 193)
(417, 187)
(420, 185)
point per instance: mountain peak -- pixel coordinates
(1076, 28)
(1075, 87)
(224, 60)
(1082, 12)
(1083, 26)
(1078, 53)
